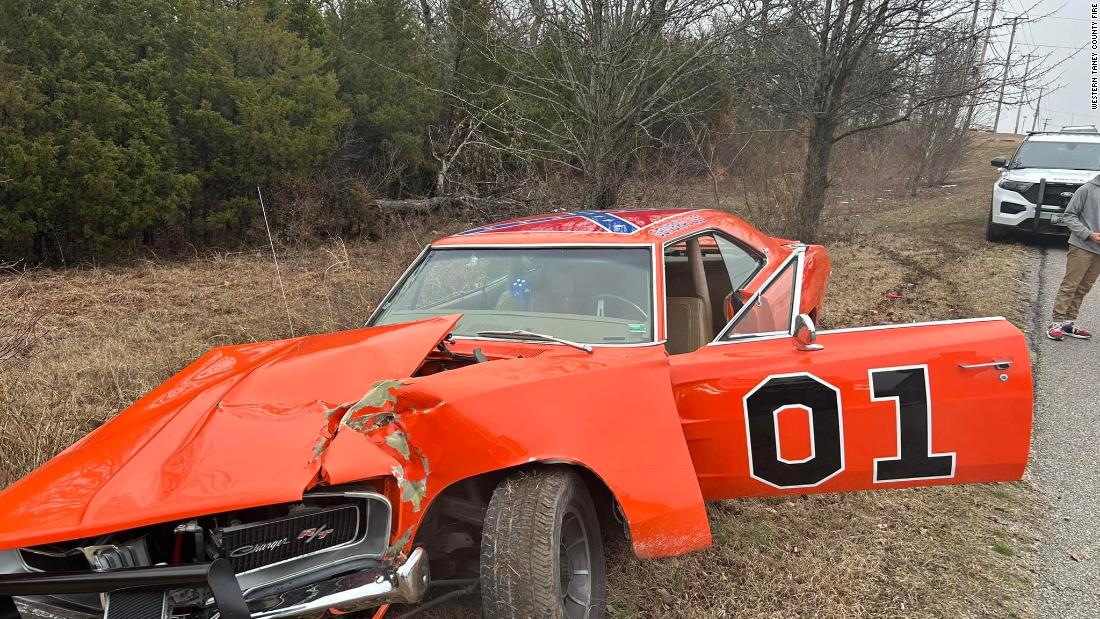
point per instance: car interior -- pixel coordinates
(704, 276)
(592, 295)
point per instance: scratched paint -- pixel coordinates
(375, 416)
(399, 442)
(399, 545)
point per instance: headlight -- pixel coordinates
(1017, 186)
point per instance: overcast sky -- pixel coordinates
(1057, 28)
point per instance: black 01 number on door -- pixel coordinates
(913, 458)
(908, 388)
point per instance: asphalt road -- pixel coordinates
(1066, 453)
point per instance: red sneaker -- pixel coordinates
(1054, 332)
(1072, 330)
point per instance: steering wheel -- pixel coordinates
(645, 316)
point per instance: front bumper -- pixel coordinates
(403, 584)
(1011, 209)
(142, 593)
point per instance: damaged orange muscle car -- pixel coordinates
(524, 389)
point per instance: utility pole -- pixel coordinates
(1046, 121)
(974, 23)
(1023, 92)
(981, 62)
(1035, 119)
(1004, 76)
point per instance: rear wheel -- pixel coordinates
(541, 549)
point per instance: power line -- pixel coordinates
(1056, 46)
(1056, 17)
(1025, 32)
(1068, 113)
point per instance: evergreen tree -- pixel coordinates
(87, 149)
(382, 70)
(254, 105)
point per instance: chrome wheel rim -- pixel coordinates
(575, 566)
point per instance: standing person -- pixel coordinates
(1082, 217)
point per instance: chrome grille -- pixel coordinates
(1052, 194)
(254, 545)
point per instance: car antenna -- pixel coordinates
(278, 273)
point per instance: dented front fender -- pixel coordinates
(260, 424)
(611, 412)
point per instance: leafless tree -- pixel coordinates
(849, 66)
(591, 84)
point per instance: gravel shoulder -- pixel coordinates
(1066, 451)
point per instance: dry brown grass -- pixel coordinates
(111, 334)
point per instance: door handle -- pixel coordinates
(1000, 365)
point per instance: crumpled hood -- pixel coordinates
(1034, 175)
(242, 426)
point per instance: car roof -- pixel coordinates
(1064, 137)
(622, 226)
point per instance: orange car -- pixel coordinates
(523, 389)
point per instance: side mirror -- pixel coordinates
(998, 162)
(805, 333)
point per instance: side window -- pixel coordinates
(702, 277)
(740, 264)
(769, 311)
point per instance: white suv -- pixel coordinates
(1065, 161)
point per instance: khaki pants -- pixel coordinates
(1082, 269)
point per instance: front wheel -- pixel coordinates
(995, 233)
(541, 549)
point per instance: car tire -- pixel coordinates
(995, 233)
(540, 530)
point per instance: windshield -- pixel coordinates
(592, 295)
(1058, 155)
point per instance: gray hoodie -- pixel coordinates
(1082, 215)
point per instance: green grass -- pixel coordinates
(760, 538)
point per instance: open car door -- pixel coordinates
(765, 412)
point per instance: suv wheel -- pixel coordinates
(994, 232)
(541, 549)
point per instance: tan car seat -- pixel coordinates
(689, 324)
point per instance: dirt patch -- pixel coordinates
(112, 334)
